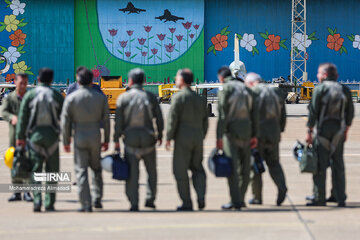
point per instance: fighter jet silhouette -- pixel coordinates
(169, 17)
(132, 9)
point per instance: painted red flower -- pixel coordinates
(113, 32)
(154, 51)
(123, 43)
(191, 35)
(220, 42)
(128, 54)
(18, 37)
(335, 42)
(179, 37)
(141, 41)
(272, 43)
(161, 36)
(196, 26)
(143, 54)
(147, 28)
(10, 77)
(96, 73)
(129, 32)
(170, 48)
(172, 30)
(187, 25)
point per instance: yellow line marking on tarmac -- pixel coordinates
(305, 118)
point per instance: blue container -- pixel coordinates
(121, 168)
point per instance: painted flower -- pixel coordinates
(17, 7)
(161, 36)
(191, 35)
(219, 41)
(147, 28)
(196, 26)
(154, 51)
(18, 37)
(187, 25)
(113, 32)
(248, 42)
(272, 43)
(335, 42)
(128, 54)
(123, 43)
(11, 23)
(179, 37)
(172, 30)
(170, 48)
(143, 54)
(129, 32)
(96, 72)
(356, 42)
(12, 54)
(10, 77)
(20, 67)
(141, 41)
(301, 42)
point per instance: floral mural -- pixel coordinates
(219, 41)
(335, 41)
(248, 42)
(10, 28)
(273, 42)
(149, 37)
(355, 39)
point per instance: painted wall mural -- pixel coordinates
(159, 36)
(264, 30)
(12, 40)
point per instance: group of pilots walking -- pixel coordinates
(250, 115)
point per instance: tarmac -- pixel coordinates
(293, 220)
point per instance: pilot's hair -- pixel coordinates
(187, 75)
(21, 75)
(224, 71)
(137, 75)
(331, 70)
(85, 77)
(46, 75)
(79, 69)
(252, 78)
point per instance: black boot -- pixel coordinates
(201, 204)
(331, 199)
(15, 197)
(85, 209)
(134, 208)
(97, 204)
(182, 208)
(37, 207)
(27, 197)
(254, 201)
(315, 203)
(150, 204)
(281, 197)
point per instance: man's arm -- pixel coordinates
(283, 115)
(106, 121)
(159, 118)
(173, 118)
(5, 110)
(314, 107)
(220, 129)
(254, 115)
(66, 122)
(205, 119)
(23, 118)
(349, 108)
(119, 116)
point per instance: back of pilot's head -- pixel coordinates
(84, 77)
(137, 76)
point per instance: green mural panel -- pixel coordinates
(111, 41)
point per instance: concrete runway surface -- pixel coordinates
(293, 220)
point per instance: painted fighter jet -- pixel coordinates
(169, 17)
(131, 9)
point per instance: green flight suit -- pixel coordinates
(328, 130)
(85, 111)
(268, 141)
(187, 125)
(42, 141)
(10, 107)
(236, 128)
(139, 138)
